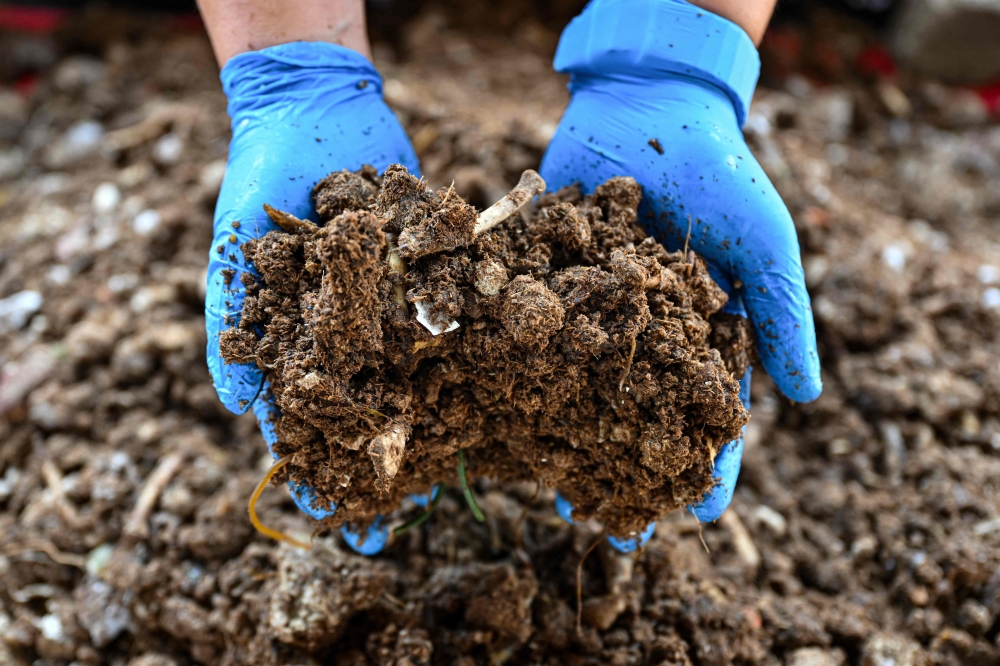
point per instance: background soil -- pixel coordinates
(866, 526)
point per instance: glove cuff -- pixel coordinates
(650, 38)
(295, 69)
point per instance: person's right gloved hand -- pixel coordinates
(299, 111)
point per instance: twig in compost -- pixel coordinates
(56, 555)
(529, 185)
(398, 266)
(518, 536)
(464, 483)
(137, 524)
(422, 518)
(393, 601)
(742, 541)
(579, 584)
(447, 195)
(289, 222)
(701, 533)
(628, 367)
(54, 482)
(252, 506)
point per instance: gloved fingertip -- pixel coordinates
(238, 385)
(371, 542)
(634, 543)
(564, 508)
(305, 498)
(727, 470)
(796, 385)
(425, 499)
(713, 506)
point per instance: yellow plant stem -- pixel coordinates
(252, 506)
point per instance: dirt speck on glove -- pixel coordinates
(587, 356)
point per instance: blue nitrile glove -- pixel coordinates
(660, 89)
(299, 111)
(727, 468)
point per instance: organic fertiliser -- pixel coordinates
(562, 345)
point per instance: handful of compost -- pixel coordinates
(557, 343)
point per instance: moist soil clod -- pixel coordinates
(573, 349)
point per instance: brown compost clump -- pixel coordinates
(574, 350)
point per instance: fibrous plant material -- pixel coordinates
(586, 355)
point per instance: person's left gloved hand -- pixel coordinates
(299, 111)
(660, 89)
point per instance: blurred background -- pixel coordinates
(865, 528)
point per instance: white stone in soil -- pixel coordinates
(423, 316)
(146, 222)
(106, 198)
(17, 309)
(168, 149)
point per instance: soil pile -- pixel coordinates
(573, 349)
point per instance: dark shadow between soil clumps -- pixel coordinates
(586, 356)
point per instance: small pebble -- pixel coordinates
(168, 149)
(98, 558)
(84, 135)
(10, 478)
(771, 519)
(894, 257)
(106, 198)
(146, 222)
(16, 310)
(59, 274)
(991, 298)
(988, 274)
(51, 627)
(123, 282)
(937, 241)
(211, 175)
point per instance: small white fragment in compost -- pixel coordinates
(986, 526)
(106, 198)
(988, 274)
(211, 175)
(59, 274)
(310, 381)
(894, 257)
(991, 298)
(864, 546)
(167, 150)
(769, 518)
(146, 222)
(758, 124)
(98, 558)
(123, 282)
(83, 136)
(10, 478)
(17, 309)
(51, 627)
(423, 316)
(937, 241)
